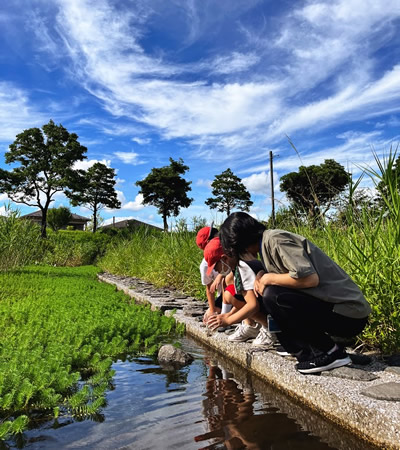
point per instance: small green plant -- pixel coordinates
(60, 331)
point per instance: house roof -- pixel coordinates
(38, 215)
(125, 223)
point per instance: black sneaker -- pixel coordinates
(326, 361)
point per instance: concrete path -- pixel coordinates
(364, 398)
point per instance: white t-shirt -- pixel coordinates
(207, 279)
(247, 272)
(247, 275)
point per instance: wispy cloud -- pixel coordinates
(129, 158)
(105, 45)
(141, 141)
(17, 112)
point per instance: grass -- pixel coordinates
(67, 328)
(164, 259)
(21, 244)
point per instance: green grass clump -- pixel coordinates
(21, 244)
(164, 259)
(59, 332)
(20, 241)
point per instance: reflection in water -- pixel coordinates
(235, 422)
(206, 405)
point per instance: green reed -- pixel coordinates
(164, 259)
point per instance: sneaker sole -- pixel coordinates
(241, 339)
(269, 344)
(333, 365)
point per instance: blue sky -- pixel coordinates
(217, 83)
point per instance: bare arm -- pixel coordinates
(284, 279)
(251, 307)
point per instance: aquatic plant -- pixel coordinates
(60, 331)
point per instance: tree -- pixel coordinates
(46, 157)
(314, 189)
(94, 189)
(165, 189)
(229, 192)
(58, 218)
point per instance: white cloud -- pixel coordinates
(87, 163)
(235, 113)
(17, 113)
(141, 141)
(119, 181)
(258, 183)
(129, 158)
(233, 63)
(136, 205)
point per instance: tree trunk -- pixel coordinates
(43, 225)
(94, 220)
(165, 223)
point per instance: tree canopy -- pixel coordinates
(58, 218)
(229, 192)
(165, 189)
(46, 157)
(314, 189)
(94, 189)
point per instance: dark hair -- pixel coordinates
(213, 233)
(238, 232)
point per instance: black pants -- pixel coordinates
(306, 320)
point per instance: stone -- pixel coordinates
(191, 312)
(393, 369)
(350, 374)
(393, 360)
(168, 354)
(360, 360)
(386, 391)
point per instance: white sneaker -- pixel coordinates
(244, 332)
(263, 338)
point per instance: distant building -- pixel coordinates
(78, 222)
(130, 223)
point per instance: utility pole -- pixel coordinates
(271, 171)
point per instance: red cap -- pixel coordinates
(213, 253)
(202, 237)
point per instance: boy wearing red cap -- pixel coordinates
(211, 279)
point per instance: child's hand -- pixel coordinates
(217, 321)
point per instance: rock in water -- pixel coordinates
(168, 354)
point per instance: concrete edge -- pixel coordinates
(367, 418)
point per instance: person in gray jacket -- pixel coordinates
(308, 295)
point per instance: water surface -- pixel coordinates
(210, 404)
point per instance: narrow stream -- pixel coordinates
(211, 404)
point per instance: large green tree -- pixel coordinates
(45, 159)
(229, 192)
(94, 189)
(166, 189)
(314, 189)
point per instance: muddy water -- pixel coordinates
(211, 404)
